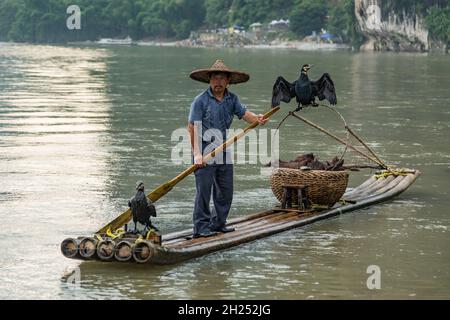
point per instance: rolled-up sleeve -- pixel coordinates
(196, 111)
(239, 108)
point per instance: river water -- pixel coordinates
(80, 125)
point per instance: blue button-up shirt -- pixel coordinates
(215, 114)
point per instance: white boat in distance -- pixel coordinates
(126, 41)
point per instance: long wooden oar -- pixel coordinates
(166, 187)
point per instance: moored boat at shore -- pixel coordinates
(126, 41)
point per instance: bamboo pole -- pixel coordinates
(69, 248)
(88, 247)
(143, 251)
(339, 139)
(365, 145)
(123, 251)
(105, 249)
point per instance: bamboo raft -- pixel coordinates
(180, 246)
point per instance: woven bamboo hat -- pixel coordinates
(202, 75)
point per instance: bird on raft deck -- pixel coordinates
(304, 90)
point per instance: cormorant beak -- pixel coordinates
(307, 67)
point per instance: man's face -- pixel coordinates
(219, 82)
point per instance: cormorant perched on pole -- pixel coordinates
(304, 90)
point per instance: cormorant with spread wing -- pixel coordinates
(304, 90)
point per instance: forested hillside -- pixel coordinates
(45, 20)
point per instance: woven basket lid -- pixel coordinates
(202, 75)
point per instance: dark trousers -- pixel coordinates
(218, 180)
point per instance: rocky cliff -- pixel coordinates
(390, 30)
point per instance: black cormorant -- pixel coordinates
(304, 90)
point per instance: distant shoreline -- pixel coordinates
(286, 45)
(295, 45)
(298, 45)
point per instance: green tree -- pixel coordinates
(308, 16)
(245, 12)
(438, 23)
(337, 23)
(8, 13)
(184, 15)
(342, 22)
(217, 12)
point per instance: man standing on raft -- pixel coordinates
(210, 116)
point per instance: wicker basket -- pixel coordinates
(324, 187)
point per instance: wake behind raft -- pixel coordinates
(306, 193)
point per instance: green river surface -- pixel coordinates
(79, 125)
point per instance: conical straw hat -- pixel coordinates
(202, 75)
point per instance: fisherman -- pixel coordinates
(210, 116)
(142, 209)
